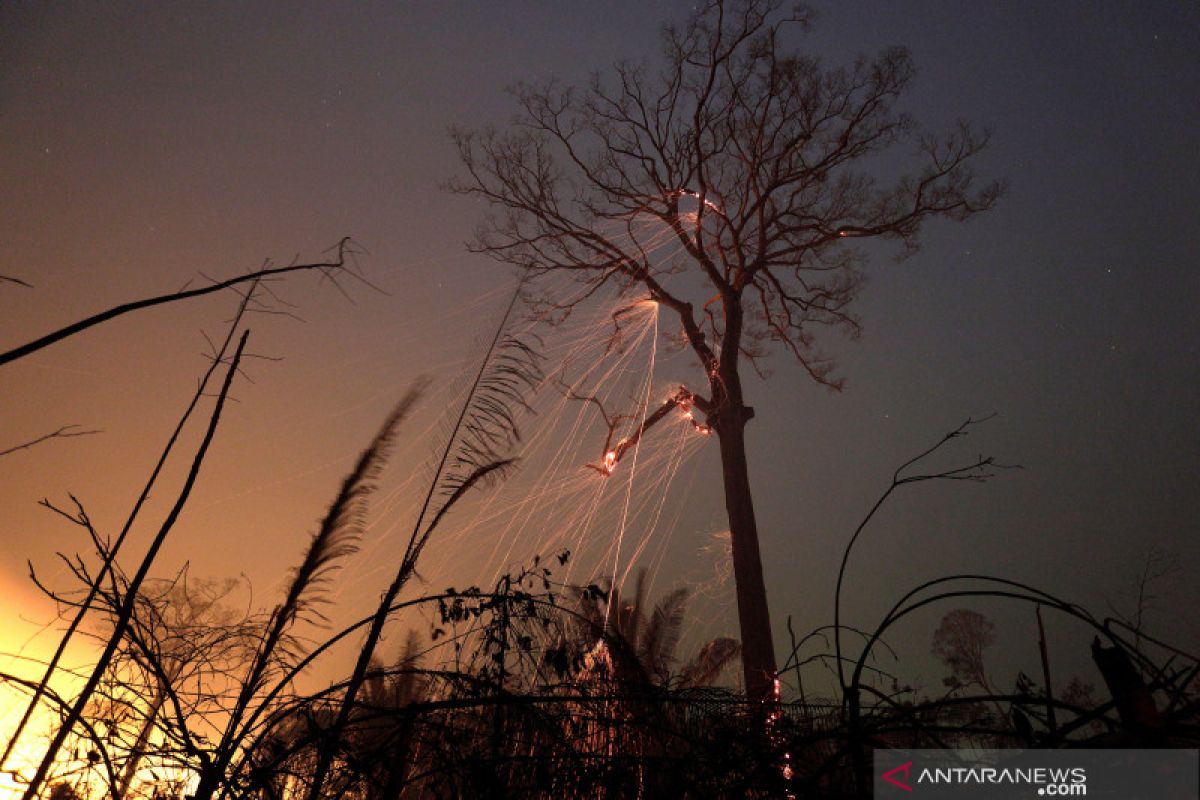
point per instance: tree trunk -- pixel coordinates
(758, 650)
(138, 753)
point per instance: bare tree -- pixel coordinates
(109, 552)
(173, 677)
(125, 613)
(728, 185)
(959, 642)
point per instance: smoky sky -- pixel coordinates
(146, 145)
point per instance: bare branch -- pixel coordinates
(65, 432)
(17, 281)
(329, 269)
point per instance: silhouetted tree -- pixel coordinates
(959, 642)
(728, 185)
(123, 615)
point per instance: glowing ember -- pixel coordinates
(773, 717)
(686, 410)
(707, 201)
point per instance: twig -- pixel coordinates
(17, 281)
(65, 432)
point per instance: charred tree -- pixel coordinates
(729, 184)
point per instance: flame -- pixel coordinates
(707, 201)
(686, 410)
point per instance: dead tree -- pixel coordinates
(124, 614)
(729, 184)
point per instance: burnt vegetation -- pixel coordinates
(533, 686)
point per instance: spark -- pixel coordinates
(686, 407)
(637, 448)
(773, 717)
(559, 505)
(707, 201)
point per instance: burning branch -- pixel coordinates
(615, 338)
(682, 399)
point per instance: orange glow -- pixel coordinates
(707, 201)
(24, 649)
(23, 761)
(686, 409)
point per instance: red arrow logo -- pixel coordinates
(890, 776)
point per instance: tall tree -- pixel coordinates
(730, 184)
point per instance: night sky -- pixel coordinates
(144, 145)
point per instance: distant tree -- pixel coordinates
(959, 642)
(183, 650)
(1142, 596)
(729, 186)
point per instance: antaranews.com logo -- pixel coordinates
(1049, 781)
(971, 774)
